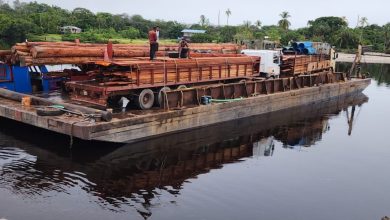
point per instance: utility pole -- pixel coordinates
(358, 21)
(219, 16)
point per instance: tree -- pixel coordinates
(227, 33)
(363, 22)
(326, 28)
(201, 38)
(141, 24)
(83, 18)
(386, 28)
(244, 34)
(228, 13)
(286, 37)
(247, 24)
(130, 33)
(345, 19)
(258, 24)
(104, 20)
(14, 30)
(273, 32)
(204, 22)
(347, 38)
(284, 23)
(173, 30)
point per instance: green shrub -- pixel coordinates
(201, 38)
(86, 37)
(130, 33)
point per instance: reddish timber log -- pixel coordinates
(5, 53)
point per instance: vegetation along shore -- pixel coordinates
(41, 22)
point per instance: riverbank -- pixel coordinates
(377, 58)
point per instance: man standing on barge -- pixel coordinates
(153, 41)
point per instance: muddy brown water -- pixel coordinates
(323, 161)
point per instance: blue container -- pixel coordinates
(309, 51)
(22, 79)
(305, 44)
(15, 78)
(295, 45)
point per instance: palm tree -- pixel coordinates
(345, 19)
(228, 13)
(345, 38)
(247, 24)
(203, 21)
(363, 22)
(284, 23)
(258, 24)
(386, 28)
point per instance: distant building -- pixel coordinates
(188, 32)
(70, 30)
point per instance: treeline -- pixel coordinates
(21, 21)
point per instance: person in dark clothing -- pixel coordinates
(184, 49)
(153, 42)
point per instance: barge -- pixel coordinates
(186, 94)
(131, 127)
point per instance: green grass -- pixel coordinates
(46, 37)
(142, 41)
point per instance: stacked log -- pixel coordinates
(299, 64)
(182, 71)
(5, 56)
(51, 53)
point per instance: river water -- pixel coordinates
(324, 161)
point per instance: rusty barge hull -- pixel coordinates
(139, 127)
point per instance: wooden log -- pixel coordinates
(106, 116)
(16, 48)
(43, 52)
(4, 53)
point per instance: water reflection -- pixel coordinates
(135, 174)
(379, 72)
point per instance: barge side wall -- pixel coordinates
(181, 120)
(147, 126)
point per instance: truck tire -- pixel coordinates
(49, 112)
(181, 87)
(145, 99)
(160, 97)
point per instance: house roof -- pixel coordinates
(193, 31)
(70, 27)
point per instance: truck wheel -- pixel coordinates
(181, 87)
(145, 99)
(159, 98)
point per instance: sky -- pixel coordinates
(185, 11)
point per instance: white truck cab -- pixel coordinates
(270, 61)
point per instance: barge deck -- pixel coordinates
(130, 127)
